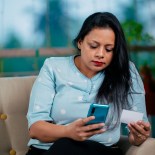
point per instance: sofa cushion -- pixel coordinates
(14, 99)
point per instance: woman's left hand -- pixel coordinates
(139, 132)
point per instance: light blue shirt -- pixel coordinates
(62, 94)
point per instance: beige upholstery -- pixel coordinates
(14, 97)
(147, 148)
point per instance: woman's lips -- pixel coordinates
(97, 63)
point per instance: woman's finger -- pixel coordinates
(94, 126)
(146, 125)
(92, 132)
(138, 130)
(133, 130)
(83, 121)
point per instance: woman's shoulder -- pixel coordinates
(132, 65)
(133, 69)
(57, 61)
(136, 79)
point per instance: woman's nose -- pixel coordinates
(100, 53)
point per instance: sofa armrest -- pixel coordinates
(148, 147)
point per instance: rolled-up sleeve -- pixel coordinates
(137, 93)
(42, 95)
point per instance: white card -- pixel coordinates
(130, 116)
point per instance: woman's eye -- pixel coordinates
(93, 47)
(109, 50)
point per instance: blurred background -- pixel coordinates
(32, 30)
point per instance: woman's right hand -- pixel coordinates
(79, 131)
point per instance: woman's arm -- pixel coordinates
(139, 131)
(46, 132)
(40, 108)
(77, 130)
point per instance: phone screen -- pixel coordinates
(100, 112)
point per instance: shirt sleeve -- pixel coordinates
(136, 95)
(42, 95)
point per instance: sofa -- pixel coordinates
(14, 99)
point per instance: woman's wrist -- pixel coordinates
(136, 143)
(67, 131)
(136, 140)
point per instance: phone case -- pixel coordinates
(100, 112)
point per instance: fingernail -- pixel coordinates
(103, 129)
(93, 117)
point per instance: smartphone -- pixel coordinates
(100, 112)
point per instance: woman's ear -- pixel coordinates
(79, 44)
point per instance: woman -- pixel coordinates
(66, 87)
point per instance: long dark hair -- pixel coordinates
(116, 83)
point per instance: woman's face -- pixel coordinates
(96, 51)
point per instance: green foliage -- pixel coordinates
(1, 65)
(134, 33)
(53, 24)
(12, 42)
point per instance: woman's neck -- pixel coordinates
(88, 73)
